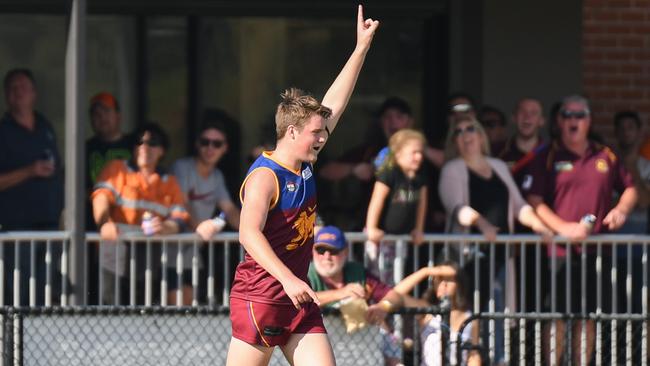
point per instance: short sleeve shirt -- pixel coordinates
(399, 210)
(203, 194)
(35, 203)
(574, 186)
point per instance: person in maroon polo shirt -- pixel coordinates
(570, 178)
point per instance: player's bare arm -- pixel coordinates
(339, 93)
(260, 190)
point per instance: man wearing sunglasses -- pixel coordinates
(206, 193)
(124, 191)
(571, 179)
(336, 280)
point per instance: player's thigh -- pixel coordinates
(242, 353)
(309, 349)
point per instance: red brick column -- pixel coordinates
(616, 59)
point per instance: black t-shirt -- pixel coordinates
(399, 211)
(36, 203)
(490, 198)
(99, 152)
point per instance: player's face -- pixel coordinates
(409, 157)
(211, 146)
(311, 139)
(329, 263)
(528, 118)
(574, 122)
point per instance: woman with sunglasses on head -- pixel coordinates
(129, 190)
(206, 193)
(480, 196)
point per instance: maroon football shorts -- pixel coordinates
(271, 325)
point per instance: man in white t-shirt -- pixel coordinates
(205, 192)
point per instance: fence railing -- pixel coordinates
(515, 275)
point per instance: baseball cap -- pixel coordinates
(331, 236)
(106, 99)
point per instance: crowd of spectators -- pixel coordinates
(490, 178)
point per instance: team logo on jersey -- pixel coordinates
(304, 225)
(601, 166)
(291, 186)
(306, 174)
(563, 166)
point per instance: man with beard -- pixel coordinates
(336, 280)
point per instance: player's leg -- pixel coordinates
(309, 349)
(242, 353)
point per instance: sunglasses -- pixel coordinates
(573, 114)
(322, 249)
(469, 129)
(150, 142)
(208, 142)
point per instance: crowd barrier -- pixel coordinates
(521, 292)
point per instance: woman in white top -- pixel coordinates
(448, 282)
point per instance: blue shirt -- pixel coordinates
(35, 203)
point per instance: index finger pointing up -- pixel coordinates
(360, 14)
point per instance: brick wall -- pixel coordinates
(616, 59)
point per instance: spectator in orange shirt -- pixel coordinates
(124, 191)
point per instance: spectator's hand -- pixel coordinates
(488, 230)
(354, 290)
(207, 229)
(614, 219)
(365, 29)
(376, 314)
(156, 225)
(417, 236)
(299, 292)
(108, 231)
(375, 234)
(42, 168)
(363, 171)
(442, 271)
(575, 231)
(544, 231)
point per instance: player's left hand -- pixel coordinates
(299, 292)
(615, 219)
(365, 29)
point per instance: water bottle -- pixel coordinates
(147, 228)
(219, 221)
(588, 221)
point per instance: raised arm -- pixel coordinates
(261, 187)
(339, 93)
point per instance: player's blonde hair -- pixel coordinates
(296, 109)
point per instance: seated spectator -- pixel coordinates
(124, 192)
(449, 283)
(31, 179)
(337, 280)
(205, 191)
(495, 126)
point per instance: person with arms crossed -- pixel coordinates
(271, 301)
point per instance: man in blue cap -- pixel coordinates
(334, 278)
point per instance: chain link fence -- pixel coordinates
(156, 336)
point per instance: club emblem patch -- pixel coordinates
(601, 166)
(291, 186)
